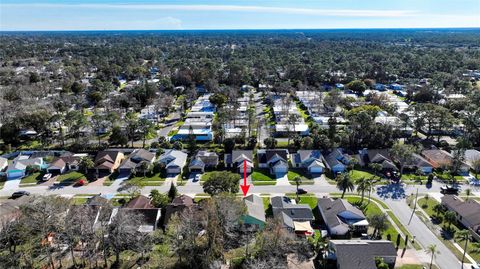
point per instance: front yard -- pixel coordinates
(71, 177)
(293, 173)
(447, 231)
(261, 177)
(32, 178)
(148, 180)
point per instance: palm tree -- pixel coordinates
(450, 218)
(298, 181)
(344, 183)
(86, 163)
(363, 185)
(463, 236)
(432, 249)
(437, 208)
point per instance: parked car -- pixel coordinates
(449, 189)
(81, 182)
(19, 194)
(475, 266)
(301, 191)
(197, 177)
(47, 177)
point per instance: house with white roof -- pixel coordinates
(174, 161)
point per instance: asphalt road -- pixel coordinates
(392, 195)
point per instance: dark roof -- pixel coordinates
(469, 210)
(380, 154)
(106, 159)
(208, 158)
(282, 207)
(332, 207)
(178, 204)
(419, 161)
(97, 200)
(303, 155)
(238, 153)
(140, 202)
(360, 254)
(268, 154)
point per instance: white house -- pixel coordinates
(174, 161)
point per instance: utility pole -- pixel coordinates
(414, 207)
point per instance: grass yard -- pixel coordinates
(427, 206)
(32, 179)
(71, 177)
(356, 174)
(282, 144)
(412, 177)
(261, 175)
(265, 183)
(292, 173)
(153, 180)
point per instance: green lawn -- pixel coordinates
(356, 174)
(264, 183)
(31, 179)
(71, 177)
(282, 144)
(261, 175)
(153, 180)
(294, 172)
(370, 209)
(427, 206)
(412, 177)
(309, 200)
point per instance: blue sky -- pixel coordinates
(236, 14)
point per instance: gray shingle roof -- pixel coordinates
(282, 208)
(255, 207)
(360, 254)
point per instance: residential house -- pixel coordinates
(236, 160)
(136, 160)
(108, 161)
(310, 160)
(63, 164)
(467, 212)
(361, 254)
(18, 167)
(336, 161)
(255, 215)
(174, 161)
(149, 217)
(276, 160)
(341, 217)
(295, 217)
(140, 202)
(439, 158)
(380, 156)
(203, 159)
(419, 163)
(3, 164)
(178, 205)
(471, 156)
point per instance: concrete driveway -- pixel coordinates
(191, 182)
(282, 180)
(12, 184)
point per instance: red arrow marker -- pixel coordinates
(245, 187)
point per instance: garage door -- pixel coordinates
(281, 170)
(316, 170)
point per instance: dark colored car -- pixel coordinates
(301, 191)
(449, 190)
(19, 194)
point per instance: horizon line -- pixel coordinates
(246, 29)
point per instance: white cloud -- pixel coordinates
(232, 8)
